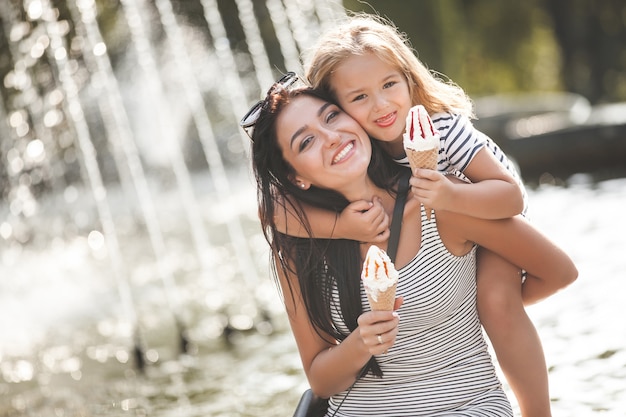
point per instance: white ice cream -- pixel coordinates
(379, 273)
(420, 133)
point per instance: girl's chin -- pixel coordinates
(389, 135)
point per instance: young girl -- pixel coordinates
(367, 66)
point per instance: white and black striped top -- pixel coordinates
(439, 364)
(460, 142)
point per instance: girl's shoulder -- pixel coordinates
(446, 121)
(453, 127)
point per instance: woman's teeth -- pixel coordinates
(343, 153)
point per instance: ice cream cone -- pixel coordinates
(421, 142)
(384, 300)
(380, 279)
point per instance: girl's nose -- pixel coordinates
(380, 102)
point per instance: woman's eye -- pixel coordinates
(331, 116)
(305, 143)
(389, 84)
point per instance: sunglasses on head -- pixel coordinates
(249, 120)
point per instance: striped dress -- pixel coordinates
(439, 364)
(460, 142)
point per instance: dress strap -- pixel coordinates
(398, 211)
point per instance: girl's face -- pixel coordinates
(375, 94)
(325, 147)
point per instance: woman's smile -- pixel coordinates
(343, 152)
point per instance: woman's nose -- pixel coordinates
(332, 138)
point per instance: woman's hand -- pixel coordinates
(364, 221)
(378, 329)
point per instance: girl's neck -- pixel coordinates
(394, 148)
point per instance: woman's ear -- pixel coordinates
(298, 182)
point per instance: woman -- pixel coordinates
(428, 357)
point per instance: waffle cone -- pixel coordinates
(423, 159)
(386, 299)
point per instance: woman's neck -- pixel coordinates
(368, 191)
(358, 189)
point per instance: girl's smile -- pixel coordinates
(387, 120)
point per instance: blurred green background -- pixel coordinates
(485, 46)
(491, 47)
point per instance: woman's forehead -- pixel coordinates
(297, 113)
(302, 107)
(307, 100)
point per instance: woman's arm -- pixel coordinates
(493, 193)
(518, 241)
(332, 367)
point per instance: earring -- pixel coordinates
(302, 186)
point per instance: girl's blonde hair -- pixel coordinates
(365, 33)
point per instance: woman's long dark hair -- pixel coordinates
(319, 264)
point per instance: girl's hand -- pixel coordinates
(364, 221)
(432, 189)
(378, 329)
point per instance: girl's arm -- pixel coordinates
(332, 367)
(362, 221)
(493, 193)
(518, 241)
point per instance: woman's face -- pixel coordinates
(324, 146)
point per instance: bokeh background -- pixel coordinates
(134, 277)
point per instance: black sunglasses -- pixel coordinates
(249, 120)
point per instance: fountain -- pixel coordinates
(128, 207)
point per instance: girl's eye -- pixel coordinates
(358, 98)
(389, 84)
